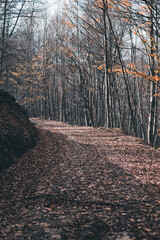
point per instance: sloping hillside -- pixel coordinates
(17, 133)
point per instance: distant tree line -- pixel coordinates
(95, 63)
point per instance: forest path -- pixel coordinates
(82, 183)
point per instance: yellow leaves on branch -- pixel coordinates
(68, 51)
(158, 133)
(68, 24)
(144, 41)
(15, 74)
(71, 55)
(154, 78)
(100, 4)
(101, 67)
(157, 95)
(132, 66)
(39, 56)
(144, 10)
(112, 3)
(132, 70)
(125, 3)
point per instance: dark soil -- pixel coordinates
(17, 133)
(81, 183)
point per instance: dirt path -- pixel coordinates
(82, 183)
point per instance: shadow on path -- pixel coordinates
(68, 188)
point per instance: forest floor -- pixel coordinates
(81, 183)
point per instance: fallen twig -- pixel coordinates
(56, 199)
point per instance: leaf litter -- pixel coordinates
(82, 183)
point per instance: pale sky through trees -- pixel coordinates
(53, 6)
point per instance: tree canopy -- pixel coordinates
(94, 62)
